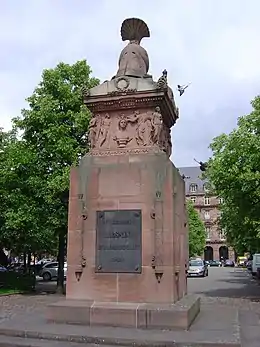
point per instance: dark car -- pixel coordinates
(249, 265)
(214, 263)
(229, 263)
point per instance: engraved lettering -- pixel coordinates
(119, 240)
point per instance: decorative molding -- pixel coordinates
(121, 92)
(100, 153)
(213, 242)
(131, 99)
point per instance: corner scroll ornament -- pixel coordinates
(85, 92)
(162, 82)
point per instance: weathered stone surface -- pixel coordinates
(125, 314)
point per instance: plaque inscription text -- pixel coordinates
(119, 241)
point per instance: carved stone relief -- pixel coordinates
(93, 131)
(122, 137)
(143, 127)
(157, 126)
(166, 144)
(130, 131)
(104, 129)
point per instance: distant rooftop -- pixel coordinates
(193, 176)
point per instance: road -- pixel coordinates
(221, 283)
(225, 283)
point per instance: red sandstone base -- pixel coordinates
(128, 315)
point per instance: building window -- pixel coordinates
(221, 235)
(206, 200)
(206, 215)
(221, 200)
(193, 199)
(193, 188)
(207, 229)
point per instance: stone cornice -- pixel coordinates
(211, 242)
(134, 100)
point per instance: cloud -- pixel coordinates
(212, 45)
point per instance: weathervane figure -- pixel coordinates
(203, 166)
(181, 89)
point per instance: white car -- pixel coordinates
(197, 268)
(49, 271)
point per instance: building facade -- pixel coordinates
(208, 207)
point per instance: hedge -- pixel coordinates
(18, 281)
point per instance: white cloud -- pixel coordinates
(212, 44)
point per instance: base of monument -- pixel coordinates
(128, 315)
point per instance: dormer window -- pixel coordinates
(193, 188)
(206, 187)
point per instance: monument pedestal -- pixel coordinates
(125, 314)
(127, 268)
(127, 233)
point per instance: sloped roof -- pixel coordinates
(193, 174)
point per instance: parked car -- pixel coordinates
(249, 265)
(229, 263)
(44, 261)
(241, 261)
(255, 263)
(3, 269)
(49, 271)
(197, 268)
(215, 263)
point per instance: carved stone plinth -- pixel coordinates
(135, 117)
(126, 315)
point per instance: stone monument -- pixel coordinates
(128, 236)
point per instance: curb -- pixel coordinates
(10, 294)
(111, 341)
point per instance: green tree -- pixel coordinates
(54, 131)
(234, 172)
(23, 224)
(197, 234)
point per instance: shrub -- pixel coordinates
(18, 281)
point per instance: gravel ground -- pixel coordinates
(220, 281)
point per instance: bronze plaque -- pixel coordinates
(119, 241)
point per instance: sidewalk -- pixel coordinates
(217, 325)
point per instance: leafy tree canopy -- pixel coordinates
(197, 234)
(36, 167)
(234, 172)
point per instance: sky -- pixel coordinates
(213, 44)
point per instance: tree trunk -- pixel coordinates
(24, 262)
(61, 254)
(29, 259)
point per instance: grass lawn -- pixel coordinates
(9, 291)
